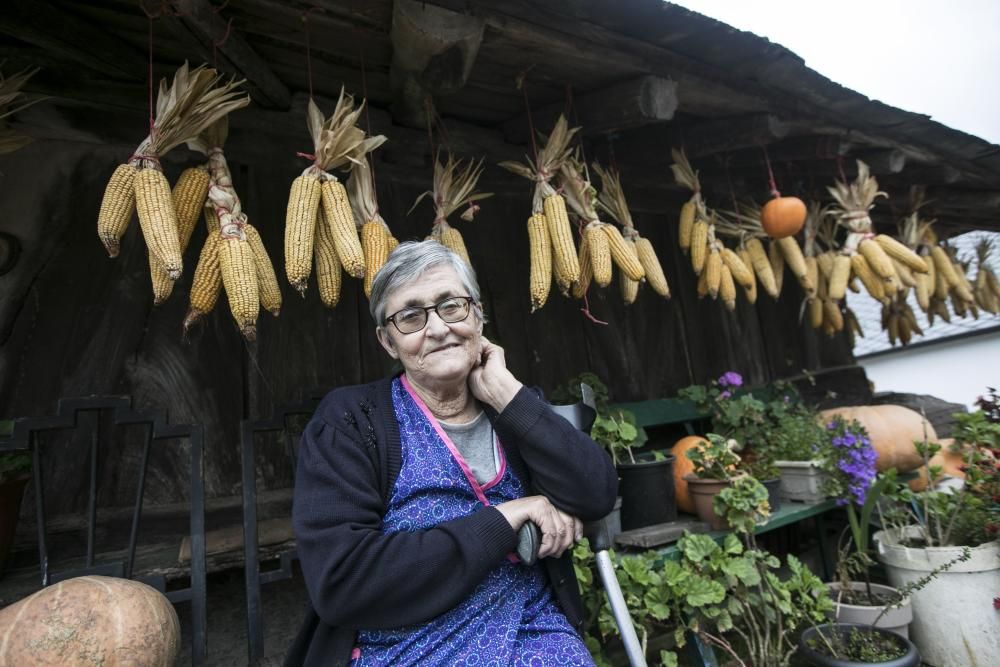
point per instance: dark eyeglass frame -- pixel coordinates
(469, 301)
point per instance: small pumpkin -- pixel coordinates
(783, 216)
(892, 429)
(684, 466)
(91, 621)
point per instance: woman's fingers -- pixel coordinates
(559, 530)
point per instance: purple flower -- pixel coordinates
(731, 379)
(724, 395)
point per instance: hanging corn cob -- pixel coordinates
(189, 195)
(693, 210)
(768, 268)
(338, 144)
(234, 256)
(612, 200)
(195, 100)
(986, 288)
(454, 188)
(565, 264)
(375, 234)
(605, 243)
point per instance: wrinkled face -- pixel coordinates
(440, 353)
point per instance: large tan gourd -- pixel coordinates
(683, 466)
(893, 430)
(91, 620)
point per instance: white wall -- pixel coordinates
(957, 371)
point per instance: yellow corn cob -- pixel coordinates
(821, 292)
(206, 282)
(703, 284)
(876, 257)
(699, 245)
(741, 272)
(300, 229)
(189, 195)
(833, 315)
(627, 261)
(116, 208)
(393, 243)
(157, 219)
(582, 283)
(792, 253)
(727, 288)
(267, 281)
(751, 290)
(654, 271)
(564, 258)
(923, 290)
(872, 283)
(328, 267)
(162, 284)
(812, 276)
(815, 305)
(452, 238)
(904, 273)
(600, 255)
(777, 261)
(964, 288)
(629, 288)
(940, 286)
(839, 277)
(762, 267)
(375, 244)
(713, 266)
(898, 251)
(824, 261)
(211, 219)
(239, 277)
(540, 249)
(685, 224)
(343, 231)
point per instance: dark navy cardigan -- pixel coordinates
(357, 577)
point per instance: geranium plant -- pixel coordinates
(613, 429)
(717, 459)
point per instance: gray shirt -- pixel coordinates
(475, 442)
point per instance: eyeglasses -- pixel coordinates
(413, 319)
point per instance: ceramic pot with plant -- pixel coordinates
(855, 645)
(953, 531)
(714, 465)
(730, 594)
(15, 472)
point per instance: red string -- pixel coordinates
(770, 174)
(308, 156)
(840, 168)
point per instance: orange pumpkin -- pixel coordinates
(893, 430)
(91, 621)
(950, 462)
(683, 466)
(783, 216)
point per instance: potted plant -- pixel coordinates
(800, 446)
(714, 465)
(647, 482)
(926, 529)
(763, 468)
(15, 469)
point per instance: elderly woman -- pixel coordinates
(411, 492)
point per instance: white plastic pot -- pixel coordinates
(896, 620)
(801, 481)
(954, 621)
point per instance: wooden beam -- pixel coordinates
(433, 52)
(39, 23)
(971, 200)
(208, 28)
(891, 161)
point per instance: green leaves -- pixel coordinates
(697, 548)
(702, 591)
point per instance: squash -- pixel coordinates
(91, 620)
(783, 216)
(684, 466)
(950, 462)
(893, 430)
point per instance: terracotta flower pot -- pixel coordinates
(703, 491)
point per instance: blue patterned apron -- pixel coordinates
(511, 618)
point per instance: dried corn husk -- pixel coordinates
(454, 188)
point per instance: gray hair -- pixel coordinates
(408, 262)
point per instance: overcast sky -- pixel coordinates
(939, 58)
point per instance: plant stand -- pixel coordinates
(801, 481)
(954, 621)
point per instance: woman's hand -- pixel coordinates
(490, 381)
(559, 530)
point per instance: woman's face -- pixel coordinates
(440, 353)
